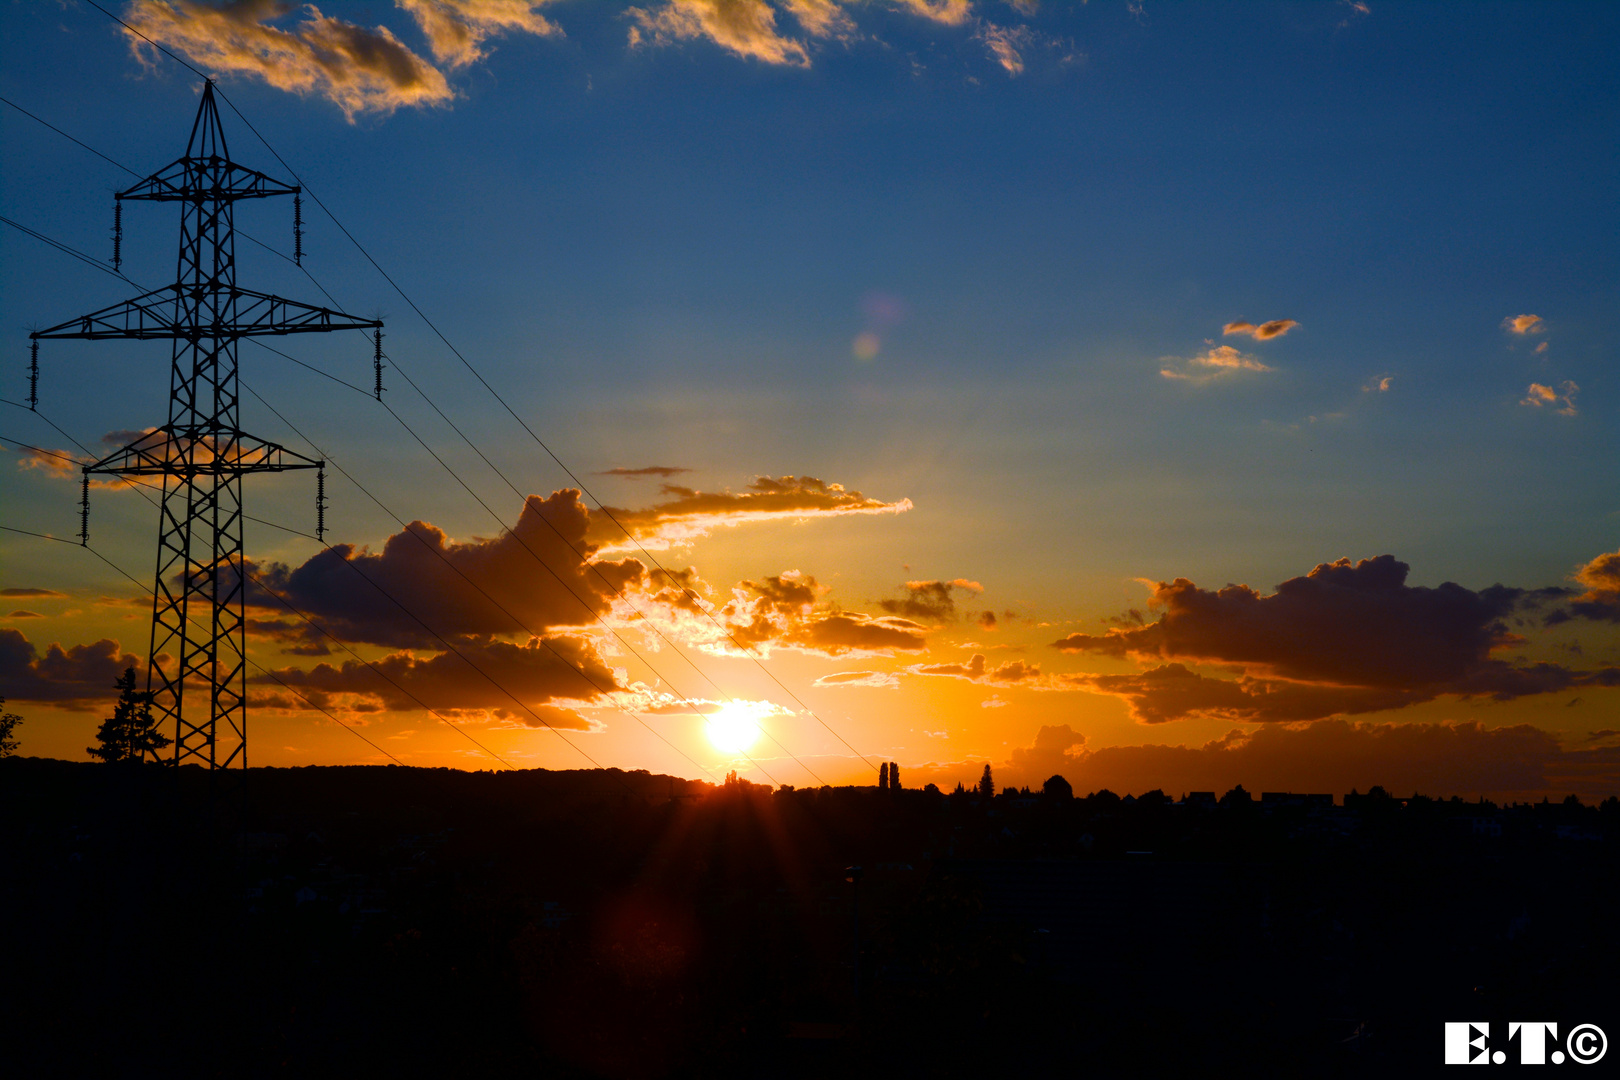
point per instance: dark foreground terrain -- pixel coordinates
(376, 921)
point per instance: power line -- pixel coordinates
(581, 555)
(251, 661)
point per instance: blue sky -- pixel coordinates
(669, 245)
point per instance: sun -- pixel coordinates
(734, 727)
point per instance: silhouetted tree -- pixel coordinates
(987, 785)
(1237, 797)
(130, 733)
(883, 777)
(8, 724)
(1057, 788)
(894, 776)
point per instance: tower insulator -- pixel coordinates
(379, 363)
(298, 230)
(118, 233)
(84, 512)
(320, 503)
(33, 375)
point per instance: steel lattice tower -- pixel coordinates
(202, 454)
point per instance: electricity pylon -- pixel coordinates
(202, 454)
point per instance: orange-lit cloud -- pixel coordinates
(1334, 756)
(51, 594)
(1007, 44)
(78, 677)
(457, 29)
(1346, 638)
(1218, 362)
(784, 611)
(1264, 332)
(1378, 384)
(822, 18)
(688, 514)
(1563, 397)
(360, 69)
(1054, 754)
(1523, 324)
(945, 12)
(744, 27)
(569, 669)
(1601, 600)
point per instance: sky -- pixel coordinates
(1159, 395)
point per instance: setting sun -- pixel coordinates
(735, 726)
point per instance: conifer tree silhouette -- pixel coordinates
(894, 776)
(131, 732)
(987, 785)
(883, 776)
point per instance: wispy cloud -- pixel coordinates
(1218, 362)
(885, 680)
(1007, 44)
(1264, 332)
(1561, 400)
(457, 29)
(663, 472)
(945, 12)
(744, 27)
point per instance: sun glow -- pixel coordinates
(734, 727)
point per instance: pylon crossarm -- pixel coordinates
(203, 451)
(152, 315)
(190, 178)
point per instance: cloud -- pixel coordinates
(1220, 361)
(25, 615)
(784, 611)
(1541, 348)
(662, 471)
(688, 514)
(1601, 600)
(822, 18)
(885, 680)
(78, 677)
(1335, 756)
(348, 589)
(457, 29)
(569, 669)
(930, 599)
(47, 593)
(1378, 384)
(1345, 638)
(1007, 44)
(986, 620)
(1564, 397)
(977, 670)
(1053, 754)
(945, 12)
(745, 27)
(1264, 332)
(359, 69)
(1523, 324)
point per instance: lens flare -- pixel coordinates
(734, 727)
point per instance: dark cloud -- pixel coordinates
(986, 620)
(1052, 755)
(1601, 600)
(51, 593)
(534, 674)
(439, 580)
(662, 471)
(25, 615)
(78, 677)
(977, 670)
(1343, 639)
(931, 600)
(1264, 332)
(1336, 755)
